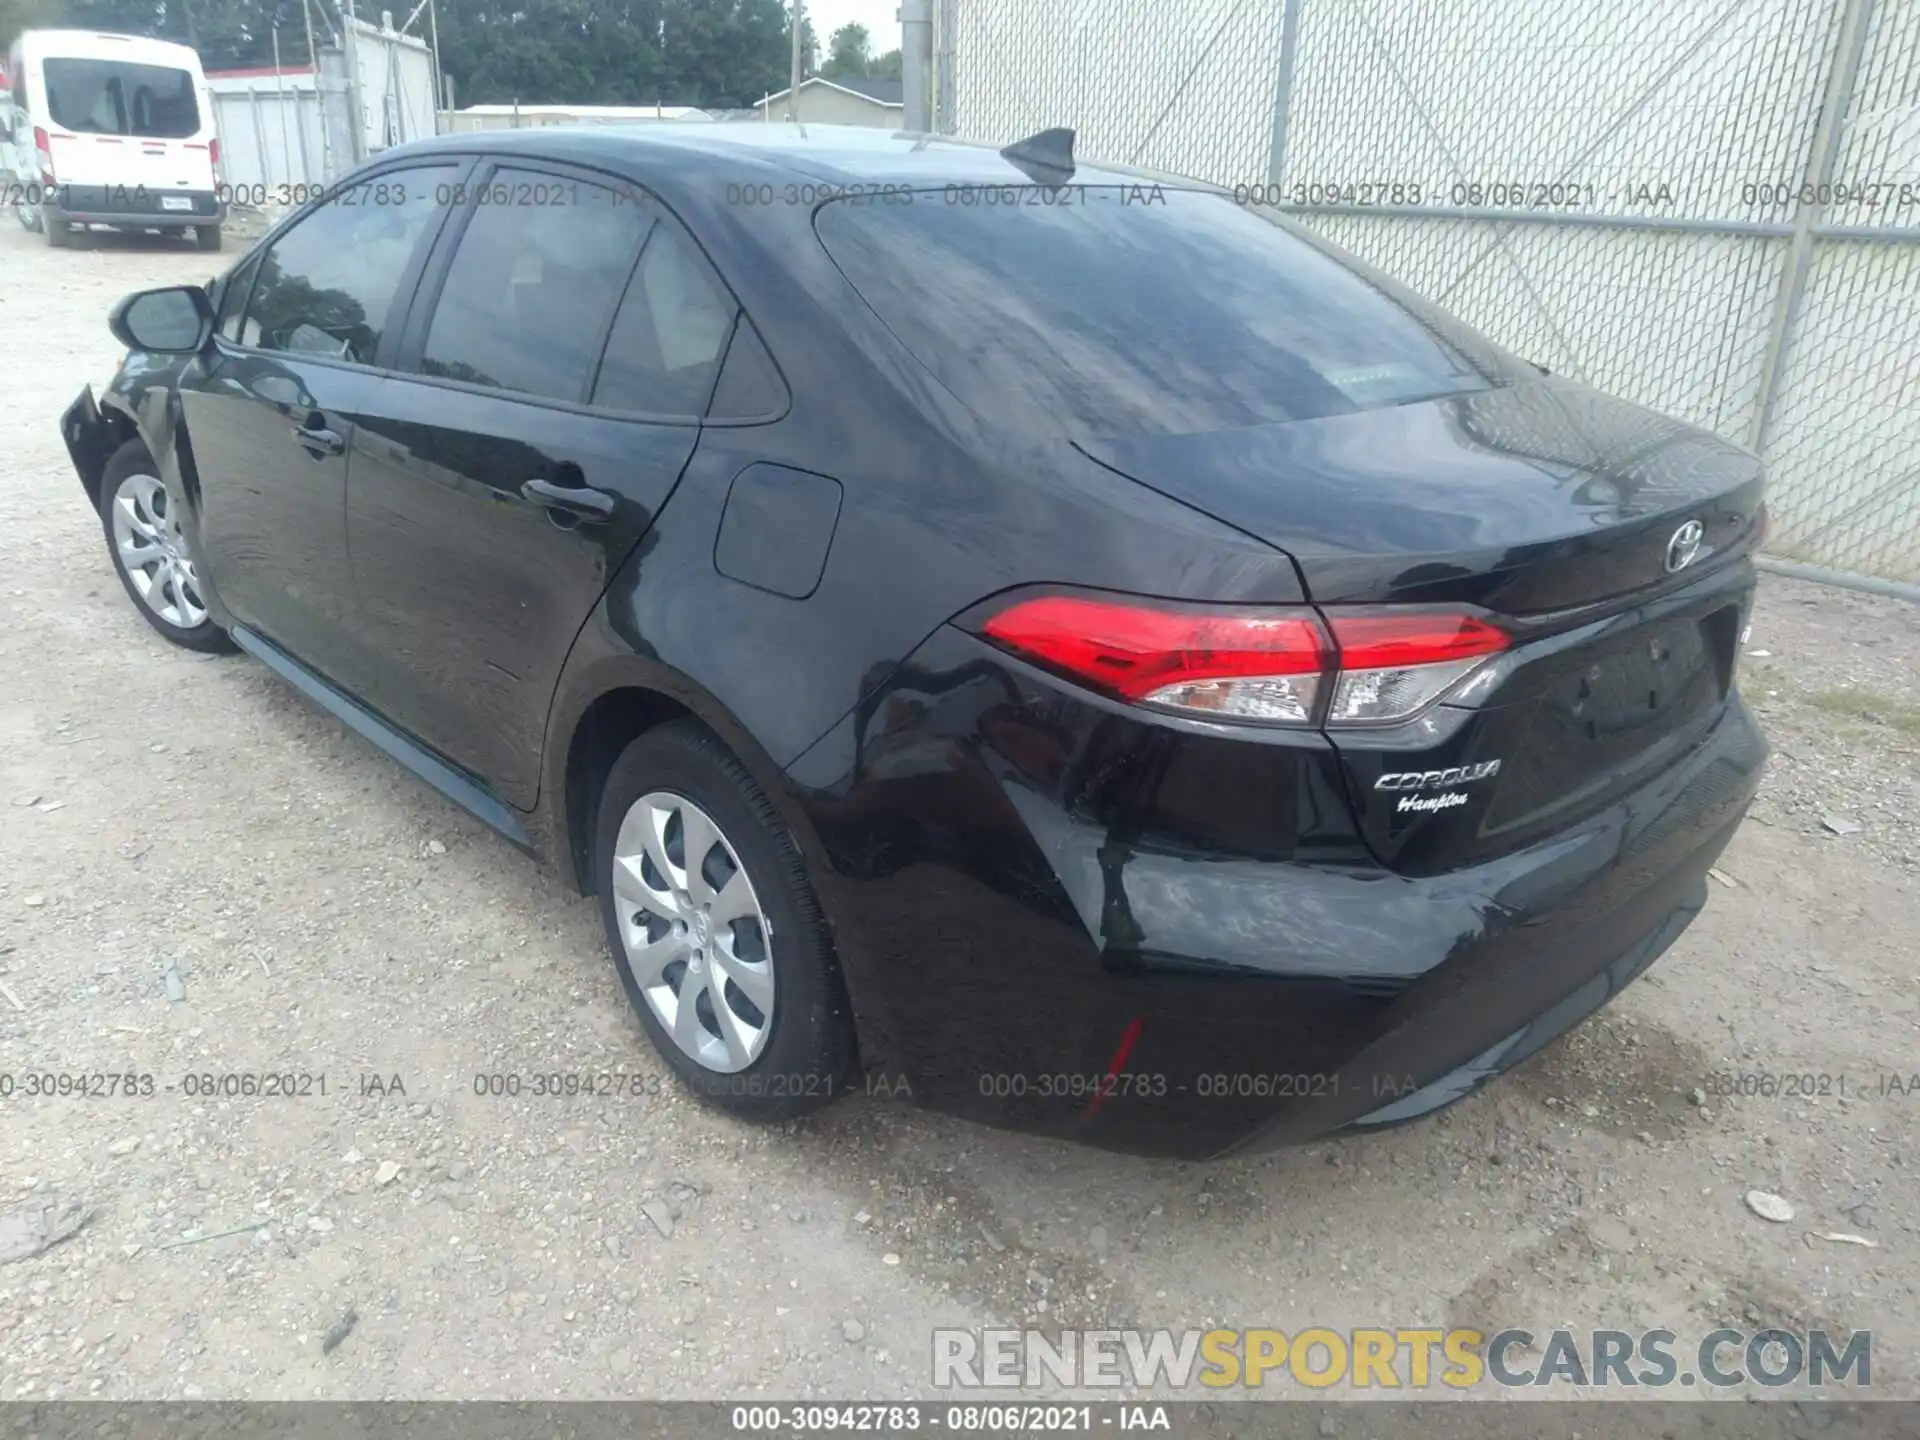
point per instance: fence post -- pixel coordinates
(349, 35)
(1848, 48)
(259, 135)
(916, 64)
(1283, 89)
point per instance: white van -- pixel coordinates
(110, 130)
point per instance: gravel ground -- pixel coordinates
(322, 913)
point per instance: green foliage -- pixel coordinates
(847, 52)
(710, 53)
(18, 15)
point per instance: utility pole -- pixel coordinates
(793, 88)
(916, 64)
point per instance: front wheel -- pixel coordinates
(27, 214)
(715, 930)
(150, 552)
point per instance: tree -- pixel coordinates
(885, 67)
(18, 15)
(847, 52)
(709, 53)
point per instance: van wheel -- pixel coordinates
(27, 215)
(207, 237)
(55, 227)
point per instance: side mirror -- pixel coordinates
(175, 321)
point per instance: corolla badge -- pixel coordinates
(1684, 548)
(1438, 779)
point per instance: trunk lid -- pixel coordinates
(1523, 499)
(1565, 515)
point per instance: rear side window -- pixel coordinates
(112, 97)
(537, 274)
(1141, 310)
(325, 288)
(670, 333)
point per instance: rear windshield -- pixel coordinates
(112, 97)
(1127, 310)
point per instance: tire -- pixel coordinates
(136, 512)
(59, 234)
(207, 237)
(806, 1053)
(27, 215)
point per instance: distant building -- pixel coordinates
(526, 117)
(842, 100)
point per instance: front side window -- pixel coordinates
(113, 97)
(233, 300)
(325, 288)
(538, 272)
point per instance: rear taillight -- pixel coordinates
(1393, 664)
(1270, 666)
(43, 147)
(213, 157)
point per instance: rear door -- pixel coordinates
(501, 481)
(274, 413)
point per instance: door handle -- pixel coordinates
(579, 503)
(318, 440)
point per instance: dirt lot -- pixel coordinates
(324, 913)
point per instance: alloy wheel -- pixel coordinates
(696, 936)
(146, 535)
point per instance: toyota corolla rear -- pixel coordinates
(1244, 872)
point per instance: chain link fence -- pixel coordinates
(1708, 206)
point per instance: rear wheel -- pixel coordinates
(715, 930)
(207, 237)
(27, 214)
(54, 226)
(150, 552)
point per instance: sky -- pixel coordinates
(879, 16)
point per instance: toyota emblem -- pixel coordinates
(1684, 548)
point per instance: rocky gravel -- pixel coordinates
(201, 875)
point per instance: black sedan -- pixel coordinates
(1038, 638)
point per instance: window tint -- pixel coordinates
(538, 271)
(1150, 310)
(670, 333)
(112, 97)
(325, 287)
(233, 300)
(750, 385)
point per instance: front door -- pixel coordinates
(274, 411)
(499, 484)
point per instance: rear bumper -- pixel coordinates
(1026, 906)
(134, 207)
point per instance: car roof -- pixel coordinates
(760, 150)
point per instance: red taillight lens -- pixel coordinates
(1263, 665)
(44, 148)
(1393, 664)
(213, 155)
(1272, 666)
